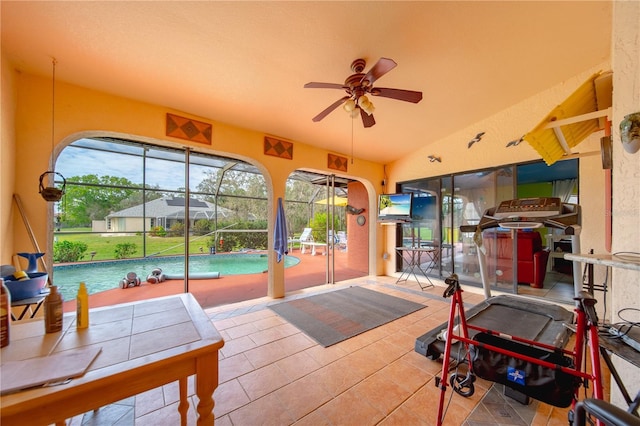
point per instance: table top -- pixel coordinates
(416, 248)
(133, 336)
(29, 301)
(615, 261)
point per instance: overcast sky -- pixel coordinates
(166, 174)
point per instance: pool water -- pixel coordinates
(101, 276)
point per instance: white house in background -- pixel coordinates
(163, 212)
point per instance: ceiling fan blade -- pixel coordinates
(399, 94)
(330, 108)
(383, 66)
(367, 119)
(315, 85)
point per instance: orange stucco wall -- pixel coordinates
(81, 112)
(7, 159)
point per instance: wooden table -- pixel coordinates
(144, 345)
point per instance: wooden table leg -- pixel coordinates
(206, 383)
(183, 407)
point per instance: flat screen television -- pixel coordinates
(395, 207)
(424, 208)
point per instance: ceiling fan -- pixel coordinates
(358, 85)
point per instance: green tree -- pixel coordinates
(243, 193)
(319, 225)
(84, 201)
(298, 195)
(140, 197)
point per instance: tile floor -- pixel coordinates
(273, 374)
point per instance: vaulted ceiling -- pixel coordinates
(245, 63)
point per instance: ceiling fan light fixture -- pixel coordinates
(350, 105)
(357, 85)
(366, 105)
(369, 109)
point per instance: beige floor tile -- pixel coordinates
(402, 339)
(166, 416)
(296, 343)
(233, 367)
(229, 396)
(302, 397)
(424, 402)
(272, 373)
(223, 421)
(266, 354)
(349, 408)
(149, 401)
(264, 411)
(407, 376)
(404, 417)
(234, 347)
(336, 377)
(325, 356)
(241, 330)
(315, 418)
(388, 352)
(365, 360)
(171, 391)
(298, 365)
(268, 335)
(384, 394)
(262, 381)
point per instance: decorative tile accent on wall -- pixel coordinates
(337, 163)
(189, 129)
(278, 148)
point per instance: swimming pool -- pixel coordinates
(101, 276)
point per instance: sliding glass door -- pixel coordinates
(463, 199)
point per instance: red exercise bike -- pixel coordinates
(541, 371)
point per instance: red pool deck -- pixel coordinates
(309, 272)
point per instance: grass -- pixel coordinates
(105, 246)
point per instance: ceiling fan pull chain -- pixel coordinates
(351, 141)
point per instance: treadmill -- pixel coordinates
(534, 320)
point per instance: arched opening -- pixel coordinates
(326, 216)
(162, 214)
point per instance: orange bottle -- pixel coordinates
(53, 311)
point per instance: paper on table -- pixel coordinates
(19, 375)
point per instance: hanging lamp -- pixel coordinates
(52, 193)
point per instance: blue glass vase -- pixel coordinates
(33, 261)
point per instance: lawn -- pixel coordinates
(104, 246)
